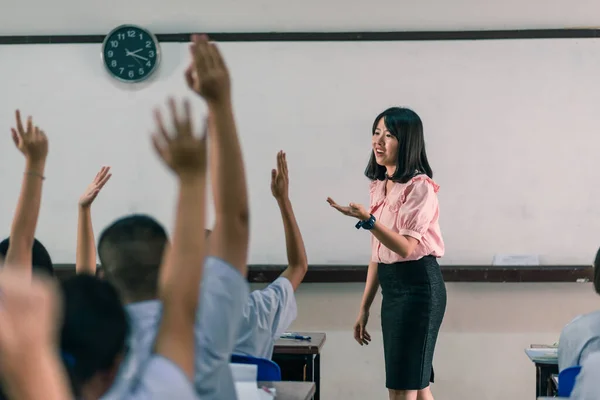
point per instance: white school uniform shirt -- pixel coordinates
(578, 339)
(267, 314)
(587, 385)
(224, 291)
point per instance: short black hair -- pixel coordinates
(597, 272)
(40, 258)
(94, 330)
(407, 127)
(131, 251)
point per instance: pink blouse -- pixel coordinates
(410, 209)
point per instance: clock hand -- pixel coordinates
(135, 52)
(140, 57)
(129, 53)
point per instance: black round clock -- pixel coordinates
(130, 53)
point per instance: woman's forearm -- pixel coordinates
(371, 287)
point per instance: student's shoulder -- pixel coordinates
(278, 291)
(162, 378)
(279, 285)
(591, 319)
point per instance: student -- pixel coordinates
(269, 312)
(581, 337)
(94, 334)
(165, 366)
(224, 287)
(24, 250)
(31, 367)
(33, 143)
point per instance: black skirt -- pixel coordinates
(412, 310)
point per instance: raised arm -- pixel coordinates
(32, 142)
(30, 317)
(296, 253)
(208, 77)
(86, 246)
(181, 271)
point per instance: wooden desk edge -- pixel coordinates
(301, 347)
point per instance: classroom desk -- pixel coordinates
(291, 390)
(546, 365)
(300, 360)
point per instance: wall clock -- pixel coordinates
(130, 53)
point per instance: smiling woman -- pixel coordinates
(405, 244)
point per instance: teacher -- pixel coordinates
(405, 244)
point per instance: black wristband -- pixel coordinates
(367, 224)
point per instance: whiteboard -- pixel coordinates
(512, 131)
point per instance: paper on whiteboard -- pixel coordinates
(516, 260)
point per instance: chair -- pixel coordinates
(566, 380)
(267, 370)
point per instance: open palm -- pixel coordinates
(91, 192)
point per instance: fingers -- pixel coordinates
(333, 204)
(280, 161)
(15, 137)
(366, 335)
(29, 125)
(273, 175)
(162, 135)
(357, 334)
(189, 76)
(284, 164)
(354, 206)
(103, 180)
(41, 135)
(187, 113)
(19, 122)
(200, 52)
(158, 143)
(174, 115)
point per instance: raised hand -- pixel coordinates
(29, 311)
(180, 149)
(279, 178)
(90, 193)
(29, 139)
(351, 210)
(207, 74)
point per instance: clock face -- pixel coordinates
(130, 53)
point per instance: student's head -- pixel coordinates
(40, 258)
(597, 272)
(398, 145)
(131, 251)
(93, 335)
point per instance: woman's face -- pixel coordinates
(385, 145)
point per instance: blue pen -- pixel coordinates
(294, 336)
